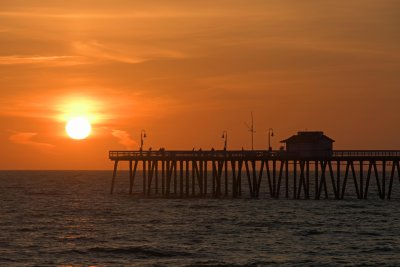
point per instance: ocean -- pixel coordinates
(68, 218)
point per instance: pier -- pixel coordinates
(285, 174)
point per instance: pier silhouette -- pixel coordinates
(288, 174)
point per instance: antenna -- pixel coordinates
(251, 130)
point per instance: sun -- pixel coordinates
(78, 128)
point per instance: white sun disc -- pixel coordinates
(78, 128)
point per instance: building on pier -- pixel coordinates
(309, 144)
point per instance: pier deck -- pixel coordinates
(227, 173)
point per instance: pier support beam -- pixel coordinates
(394, 165)
(113, 178)
(132, 175)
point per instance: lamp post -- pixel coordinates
(270, 134)
(142, 136)
(225, 136)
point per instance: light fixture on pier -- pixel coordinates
(270, 134)
(142, 136)
(225, 136)
(251, 130)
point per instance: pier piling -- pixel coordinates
(185, 173)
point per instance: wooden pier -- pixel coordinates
(242, 173)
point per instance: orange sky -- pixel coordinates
(187, 70)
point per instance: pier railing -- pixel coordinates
(258, 154)
(366, 153)
(195, 153)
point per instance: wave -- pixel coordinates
(309, 232)
(138, 251)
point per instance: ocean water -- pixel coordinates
(68, 218)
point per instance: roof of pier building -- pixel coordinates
(308, 137)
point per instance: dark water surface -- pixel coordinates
(68, 218)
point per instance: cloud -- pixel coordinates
(129, 11)
(92, 52)
(25, 138)
(99, 51)
(125, 139)
(55, 60)
(124, 54)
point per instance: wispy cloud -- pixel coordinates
(101, 51)
(92, 52)
(125, 139)
(55, 60)
(41, 14)
(26, 138)
(152, 11)
(28, 107)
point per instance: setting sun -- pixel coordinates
(78, 128)
(273, 124)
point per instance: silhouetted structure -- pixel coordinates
(186, 173)
(308, 167)
(309, 144)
